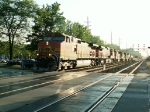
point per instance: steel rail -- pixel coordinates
(75, 92)
(90, 109)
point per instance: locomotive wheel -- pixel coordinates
(60, 67)
(71, 66)
(74, 65)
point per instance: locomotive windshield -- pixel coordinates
(58, 39)
(47, 38)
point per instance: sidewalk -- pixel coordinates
(136, 97)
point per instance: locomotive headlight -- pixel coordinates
(49, 54)
(37, 54)
(47, 42)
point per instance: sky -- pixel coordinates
(128, 20)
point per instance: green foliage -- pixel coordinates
(116, 47)
(19, 49)
(131, 51)
(14, 19)
(80, 31)
(48, 19)
(4, 47)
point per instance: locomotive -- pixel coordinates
(61, 51)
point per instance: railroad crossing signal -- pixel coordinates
(138, 47)
(143, 46)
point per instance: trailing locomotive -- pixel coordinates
(60, 51)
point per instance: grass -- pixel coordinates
(16, 67)
(11, 66)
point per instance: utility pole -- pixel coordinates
(119, 41)
(88, 23)
(111, 37)
(126, 45)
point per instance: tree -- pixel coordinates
(48, 19)
(68, 28)
(80, 31)
(132, 52)
(15, 18)
(4, 47)
(114, 46)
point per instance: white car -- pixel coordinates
(3, 61)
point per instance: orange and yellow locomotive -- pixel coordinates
(60, 51)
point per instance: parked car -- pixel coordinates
(14, 62)
(27, 63)
(3, 61)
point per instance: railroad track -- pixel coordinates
(41, 80)
(101, 68)
(95, 105)
(25, 83)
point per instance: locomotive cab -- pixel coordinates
(48, 51)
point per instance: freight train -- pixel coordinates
(59, 51)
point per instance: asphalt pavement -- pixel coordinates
(137, 96)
